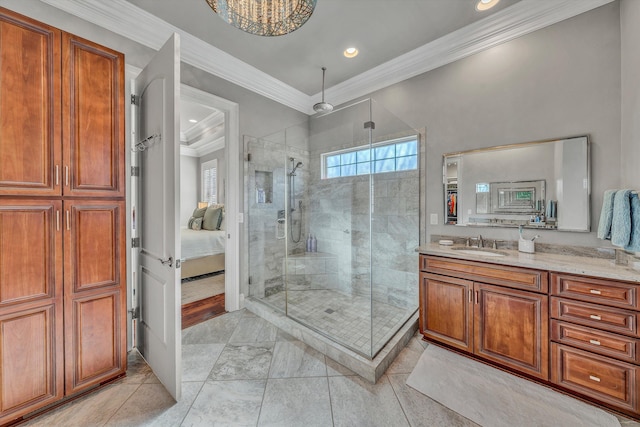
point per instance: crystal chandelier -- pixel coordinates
(264, 17)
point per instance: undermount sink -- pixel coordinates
(479, 251)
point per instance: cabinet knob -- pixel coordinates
(594, 378)
(595, 292)
(595, 317)
(594, 342)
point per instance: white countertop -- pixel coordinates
(598, 267)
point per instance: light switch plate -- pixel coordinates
(434, 219)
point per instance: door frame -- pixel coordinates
(233, 194)
(232, 191)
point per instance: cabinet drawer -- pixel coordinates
(607, 380)
(609, 292)
(605, 343)
(514, 277)
(597, 316)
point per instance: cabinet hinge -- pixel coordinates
(135, 99)
(135, 170)
(250, 279)
(248, 157)
(135, 242)
(369, 125)
(135, 312)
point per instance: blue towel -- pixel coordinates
(634, 242)
(606, 216)
(621, 222)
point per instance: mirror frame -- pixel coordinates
(457, 156)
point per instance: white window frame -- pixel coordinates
(211, 164)
(364, 147)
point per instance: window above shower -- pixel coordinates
(387, 156)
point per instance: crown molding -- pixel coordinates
(212, 124)
(522, 18)
(202, 148)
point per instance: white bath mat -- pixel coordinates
(491, 397)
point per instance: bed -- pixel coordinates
(202, 251)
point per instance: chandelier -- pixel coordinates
(264, 17)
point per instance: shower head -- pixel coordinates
(293, 171)
(323, 107)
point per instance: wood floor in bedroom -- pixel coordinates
(202, 299)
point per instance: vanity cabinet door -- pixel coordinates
(446, 310)
(511, 327)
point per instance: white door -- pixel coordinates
(157, 90)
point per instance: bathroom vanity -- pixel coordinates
(570, 322)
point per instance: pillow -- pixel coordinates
(199, 212)
(196, 224)
(190, 223)
(211, 218)
(222, 222)
(220, 219)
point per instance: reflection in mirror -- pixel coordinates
(538, 185)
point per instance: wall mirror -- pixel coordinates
(543, 185)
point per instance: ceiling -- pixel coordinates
(380, 29)
(397, 39)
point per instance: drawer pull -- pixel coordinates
(594, 342)
(595, 292)
(594, 378)
(596, 317)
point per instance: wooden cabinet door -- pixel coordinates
(95, 292)
(30, 131)
(31, 327)
(511, 327)
(446, 310)
(93, 119)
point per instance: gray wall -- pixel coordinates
(630, 147)
(560, 81)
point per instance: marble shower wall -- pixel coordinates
(268, 171)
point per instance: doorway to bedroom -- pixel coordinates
(202, 213)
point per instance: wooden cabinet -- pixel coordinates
(446, 312)
(94, 295)
(30, 108)
(498, 323)
(49, 148)
(595, 339)
(62, 215)
(511, 328)
(93, 119)
(31, 315)
(584, 337)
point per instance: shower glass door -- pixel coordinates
(333, 208)
(395, 225)
(266, 202)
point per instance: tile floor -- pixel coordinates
(240, 370)
(343, 317)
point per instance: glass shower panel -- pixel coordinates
(394, 224)
(335, 298)
(266, 201)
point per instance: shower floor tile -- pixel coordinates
(345, 318)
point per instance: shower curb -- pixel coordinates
(370, 370)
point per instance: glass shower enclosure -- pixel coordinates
(333, 212)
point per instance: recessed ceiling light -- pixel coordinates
(350, 52)
(486, 4)
(193, 121)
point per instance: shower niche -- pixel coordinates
(264, 187)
